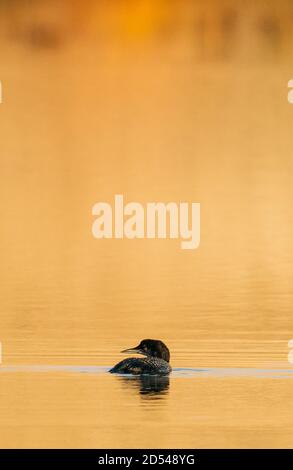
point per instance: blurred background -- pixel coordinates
(160, 101)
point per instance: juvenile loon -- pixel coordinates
(156, 362)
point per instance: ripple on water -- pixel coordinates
(187, 372)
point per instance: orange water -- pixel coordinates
(158, 104)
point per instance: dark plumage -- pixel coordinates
(156, 362)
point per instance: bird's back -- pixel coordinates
(139, 366)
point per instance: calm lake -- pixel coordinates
(158, 103)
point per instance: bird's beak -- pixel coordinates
(135, 350)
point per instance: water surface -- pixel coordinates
(158, 103)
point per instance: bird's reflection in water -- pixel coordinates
(149, 386)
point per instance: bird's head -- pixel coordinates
(151, 347)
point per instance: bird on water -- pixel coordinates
(156, 361)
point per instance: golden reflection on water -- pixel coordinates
(159, 103)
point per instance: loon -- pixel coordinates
(156, 362)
